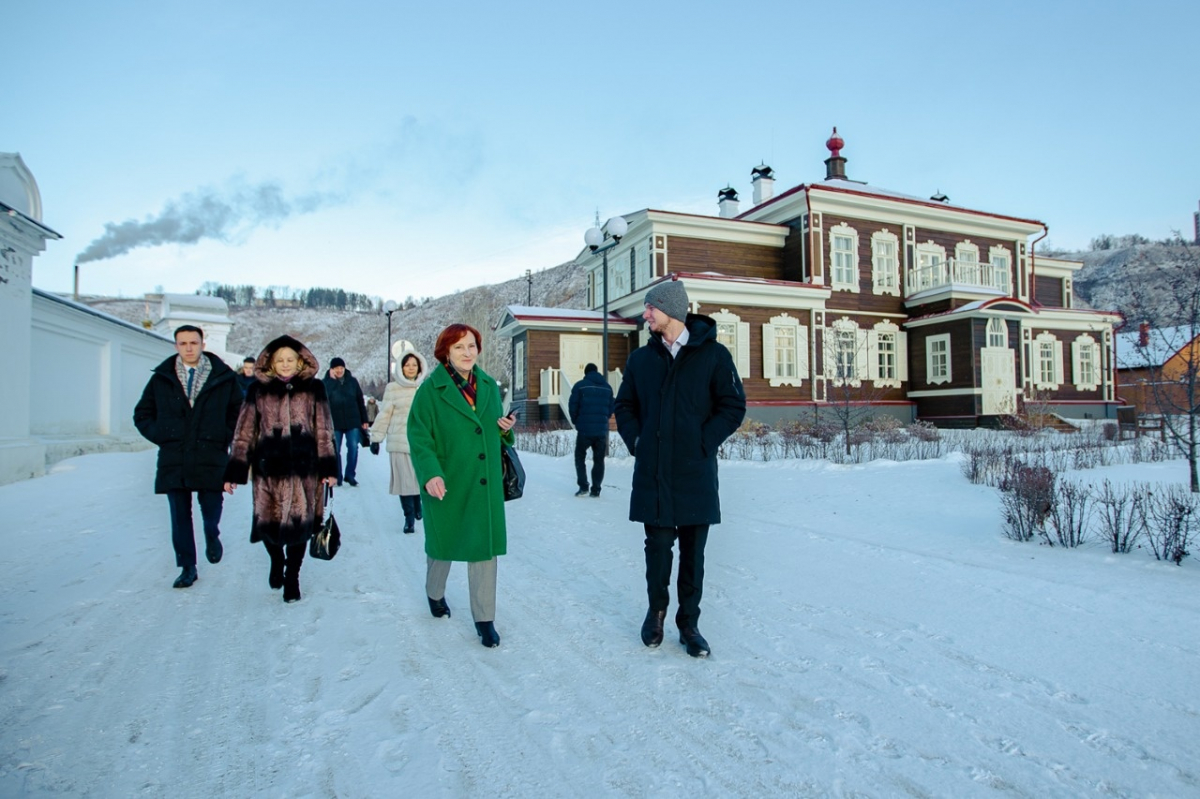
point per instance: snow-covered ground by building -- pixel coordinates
(873, 635)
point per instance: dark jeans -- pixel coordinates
(599, 446)
(411, 506)
(659, 541)
(183, 535)
(353, 438)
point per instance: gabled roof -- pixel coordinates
(532, 317)
(1163, 345)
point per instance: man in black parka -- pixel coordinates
(680, 397)
(189, 409)
(590, 406)
(349, 411)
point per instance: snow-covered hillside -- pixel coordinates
(873, 634)
(361, 337)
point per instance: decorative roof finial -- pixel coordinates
(835, 143)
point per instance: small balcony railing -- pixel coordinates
(967, 274)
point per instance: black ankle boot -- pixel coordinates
(439, 608)
(652, 627)
(487, 633)
(291, 587)
(690, 637)
(186, 577)
(275, 578)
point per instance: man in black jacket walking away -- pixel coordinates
(349, 411)
(680, 398)
(591, 405)
(189, 409)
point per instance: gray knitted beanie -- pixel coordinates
(671, 298)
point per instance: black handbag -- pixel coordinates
(328, 539)
(514, 472)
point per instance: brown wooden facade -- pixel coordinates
(766, 276)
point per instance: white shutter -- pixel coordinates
(902, 356)
(1058, 364)
(743, 349)
(801, 352)
(768, 352)
(829, 348)
(1076, 370)
(861, 350)
(872, 355)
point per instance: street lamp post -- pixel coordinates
(616, 228)
(389, 308)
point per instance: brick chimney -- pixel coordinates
(762, 178)
(1144, 334)
(835, 164)
(727, 199)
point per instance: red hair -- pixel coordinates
(450, 336)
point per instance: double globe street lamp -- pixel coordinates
(615, 228)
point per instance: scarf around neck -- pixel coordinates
(466, 387)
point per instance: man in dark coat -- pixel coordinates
(349, 416)
(680, 398)
(591, 405)
(189, 409)
(246, 376)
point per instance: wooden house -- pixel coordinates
(1155, 366)
(838, 293)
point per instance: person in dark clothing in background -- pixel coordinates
(680, 398)
(189, 409)
(349, 416)
(591, 405)
(246, 376)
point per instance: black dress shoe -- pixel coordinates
(186, 577)
(439, 608)
(409, 528)
(214, 550)
(690, 637)
(652, 627)
(351, 481)
(487, 633)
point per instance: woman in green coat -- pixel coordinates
(454, 434)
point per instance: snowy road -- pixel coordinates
(873, 635)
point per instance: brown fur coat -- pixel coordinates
(285, 433)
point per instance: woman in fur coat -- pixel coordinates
(454, 431)
(392, 424)
(285, 432)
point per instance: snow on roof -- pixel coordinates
(1163, 343)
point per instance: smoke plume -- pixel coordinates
(205, 214)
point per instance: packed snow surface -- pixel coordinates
(873, 635)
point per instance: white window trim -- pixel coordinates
(833, 341)
(900, 340)
(768, 350)
(996, 252)
(842, 229)
(741, 341)
(993, 323)
(519, 365)
(1057, 368)
(930, 376)
(966, 248)
(1085, 347)
(885, 279)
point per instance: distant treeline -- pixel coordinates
(287, 297)
(1109, 242)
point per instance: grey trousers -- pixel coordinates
(481, 579)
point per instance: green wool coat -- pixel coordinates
(462, 446)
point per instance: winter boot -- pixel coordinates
(690, 637)
(186, 577)
(439, 608)
(487, 634)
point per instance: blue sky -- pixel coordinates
(400, 149)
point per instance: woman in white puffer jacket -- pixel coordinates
(392, 424)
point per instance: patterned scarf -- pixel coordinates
(203, 369)
(467, 387)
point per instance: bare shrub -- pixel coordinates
(1172, 522)
(1071, 513)
(1109, 431)
(1028, 500)
(924, 431)
(1122, 511)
